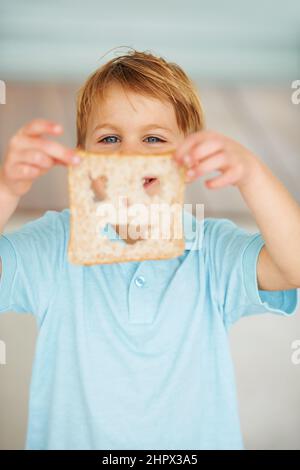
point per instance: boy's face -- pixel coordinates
(132, 123)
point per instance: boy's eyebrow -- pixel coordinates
(148, 126)
(156, 126)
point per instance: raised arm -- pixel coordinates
(275, 211)
(29, 155)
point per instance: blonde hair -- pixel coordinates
(143, 73)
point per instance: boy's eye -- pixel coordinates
(152, 139)
(108, 139)
(111, 139)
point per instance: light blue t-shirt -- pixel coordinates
(135, 355)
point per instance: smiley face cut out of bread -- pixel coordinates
(125, 208)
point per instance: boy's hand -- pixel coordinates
(207, 151)
(31, 155)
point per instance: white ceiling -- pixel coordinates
(233, 40)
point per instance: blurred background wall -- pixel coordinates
(244, 57)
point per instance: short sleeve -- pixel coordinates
(32, 258)
(231, 254)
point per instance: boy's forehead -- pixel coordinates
(117, 104)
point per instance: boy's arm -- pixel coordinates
(277, 215)
(8, 204)
(29, 155)
(275, 211)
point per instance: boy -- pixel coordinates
(135, 355)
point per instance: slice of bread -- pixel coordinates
(107, 194)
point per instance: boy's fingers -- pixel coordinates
(213, 163)
(202, 151)
(229, 177)
(38, 127)
(51, 148)
(206, 148)
(190, 142)
(184, 148)
(36, 158)
(23, 171)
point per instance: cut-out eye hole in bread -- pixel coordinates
(98, 186)
(136, 200)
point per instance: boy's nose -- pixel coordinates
(132, 148)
